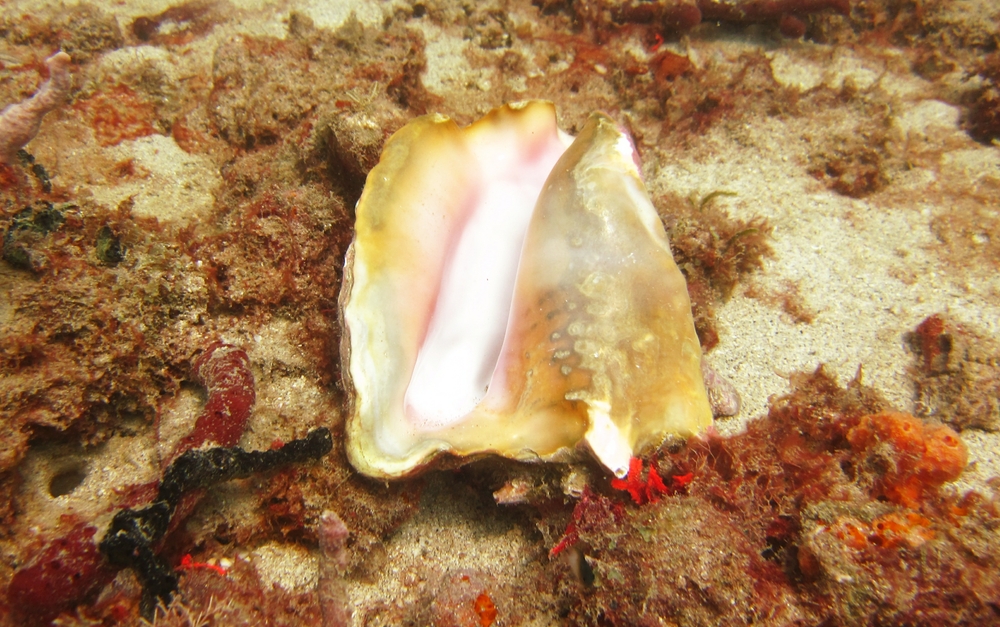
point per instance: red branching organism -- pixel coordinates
(681, 481)
(633, 483)
(570, 537)
(592, 511)
(648, 490)
(188, 563)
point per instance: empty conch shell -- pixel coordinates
(510, 290)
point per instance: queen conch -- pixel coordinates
(510, 290)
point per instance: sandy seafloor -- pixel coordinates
(869, 268)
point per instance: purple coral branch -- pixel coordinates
(19, 123)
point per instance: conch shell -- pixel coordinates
(510, 290)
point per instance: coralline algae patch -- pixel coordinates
(798, 520)
(199, 184)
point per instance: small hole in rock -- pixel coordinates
(66, 481)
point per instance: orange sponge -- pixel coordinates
(917, 457)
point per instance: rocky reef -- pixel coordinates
(826, 173)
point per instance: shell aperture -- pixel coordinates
(510, 291)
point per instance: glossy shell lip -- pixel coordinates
(592, 344)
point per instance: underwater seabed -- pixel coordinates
(173, 408)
